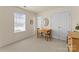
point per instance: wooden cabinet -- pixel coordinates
(73, 42)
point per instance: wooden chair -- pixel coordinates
(38, 32)
(48, 35)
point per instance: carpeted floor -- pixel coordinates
(34, 44)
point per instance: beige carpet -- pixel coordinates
(33, 44)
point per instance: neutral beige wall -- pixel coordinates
(6, 25)
(74, 11)
(48, 14)
(75, 16)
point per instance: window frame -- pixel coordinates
(15, 19)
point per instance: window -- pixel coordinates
(19, 22)
(39, 21)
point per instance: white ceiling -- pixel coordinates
(38, 9)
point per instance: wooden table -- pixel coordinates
(73, 41)
(43, 32)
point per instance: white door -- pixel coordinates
(61, 24)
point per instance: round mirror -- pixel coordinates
(46, 22)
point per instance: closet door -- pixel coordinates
(61, 24)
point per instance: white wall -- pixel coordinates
(6, 25)
(48, 14)
(75, 16)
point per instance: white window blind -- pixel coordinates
(19, 22)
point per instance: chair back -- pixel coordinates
(48, 32)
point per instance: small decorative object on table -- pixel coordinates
(77, 28)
